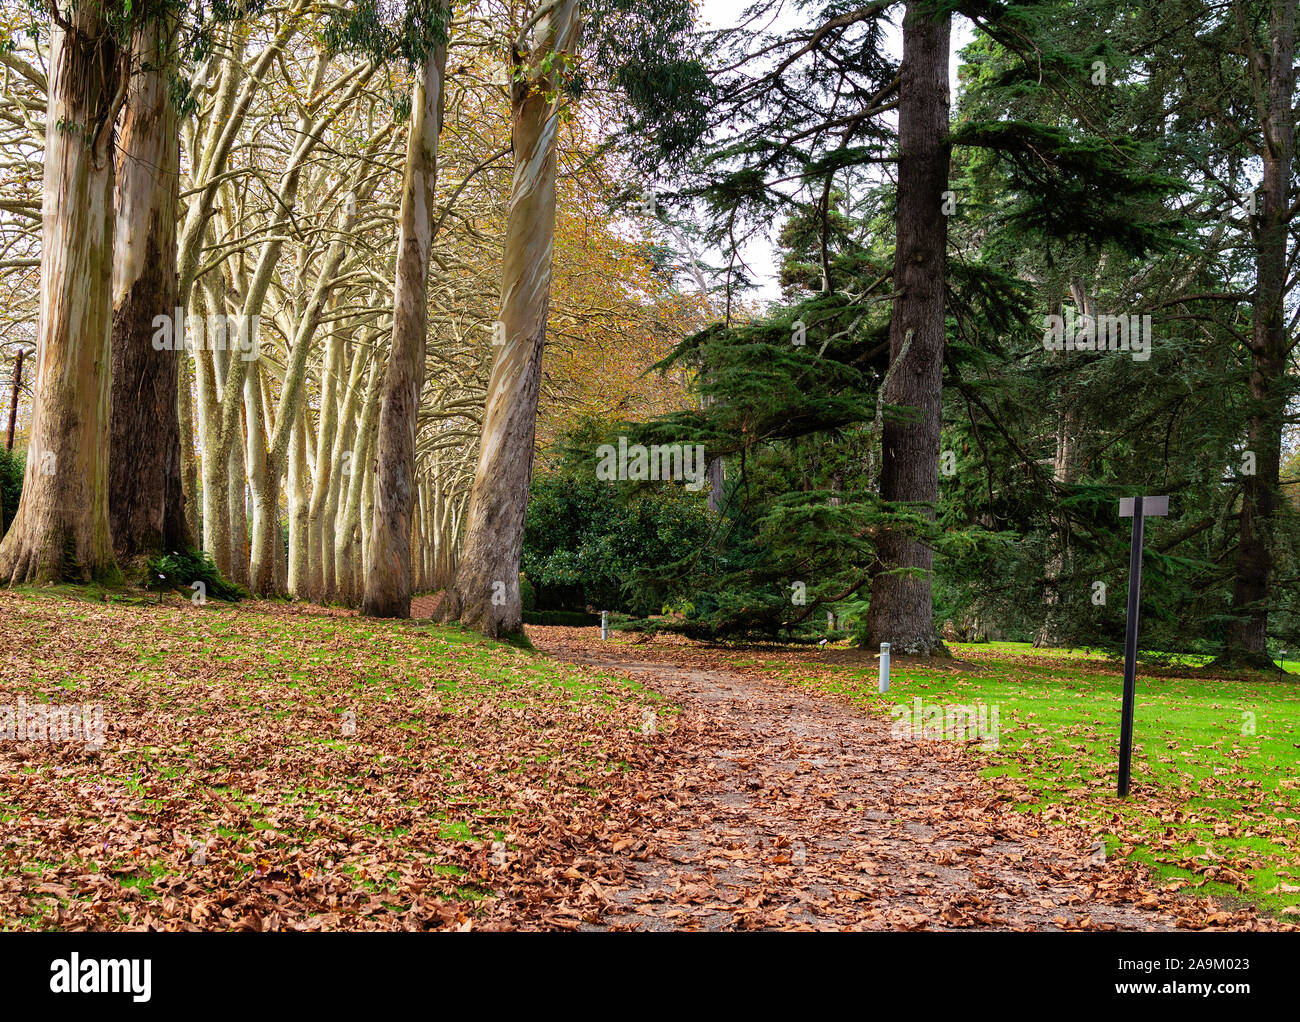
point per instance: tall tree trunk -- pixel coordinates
(901, 611)
(13, 399)
(61, 529)
(266, 581)
(216, 512)
(486, 593)
(309, 130)
(189, 463)
(298, 502)
(342, 458)
(367, 517)
(325, 435)
(348, 550)
(388, 573)
(1063, 472)
(265, 537)
(1269, 347)
(146, 503)
(237, 508)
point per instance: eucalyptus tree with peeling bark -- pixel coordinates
(61, 529)
(486, 593)
(388, 575)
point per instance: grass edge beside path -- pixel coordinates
(1214, 809)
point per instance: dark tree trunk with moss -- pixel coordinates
(146, 503)
(901, 610)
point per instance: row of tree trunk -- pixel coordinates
(363, 525)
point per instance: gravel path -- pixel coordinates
(779, 808)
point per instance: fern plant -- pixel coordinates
(179, 571)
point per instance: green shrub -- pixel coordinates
(586, 540)
(181, 570)
(563, 618)
(11, 486)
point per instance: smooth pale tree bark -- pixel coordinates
(265, 534)
(229, 479)
(61, 528)
(146, 503)
(343, 457)
(438, 578)
(367, 515)
(486, 593)
(1269, 350)
(325, 436)
(427, 532)
(264, 580)
(311, 313)
(417, 536)
(189, 463)
(449, 503)
(216, 509)
(388, 572)
(349, 547)
(444, 564)
(235, 93)
(255, 295)
(237, 504)
(299, 499)
(901, 610)
(262, 575)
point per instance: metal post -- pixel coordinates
(604, 624)
(884, 668)
(1130, 648)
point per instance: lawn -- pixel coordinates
(1215, 803)
(267, 766)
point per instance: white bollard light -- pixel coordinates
(604, 624)
(884, 668)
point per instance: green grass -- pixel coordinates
(1215, 793)
(1290, 664)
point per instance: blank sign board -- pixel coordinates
(1152, 507)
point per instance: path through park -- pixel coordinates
(787, 809)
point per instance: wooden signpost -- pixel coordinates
(1139, 509)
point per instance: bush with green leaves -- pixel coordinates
(586, 539)
(563, 618)
(179, 571)
(11, 486)
(527, 594)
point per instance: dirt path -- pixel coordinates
(779, 808)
